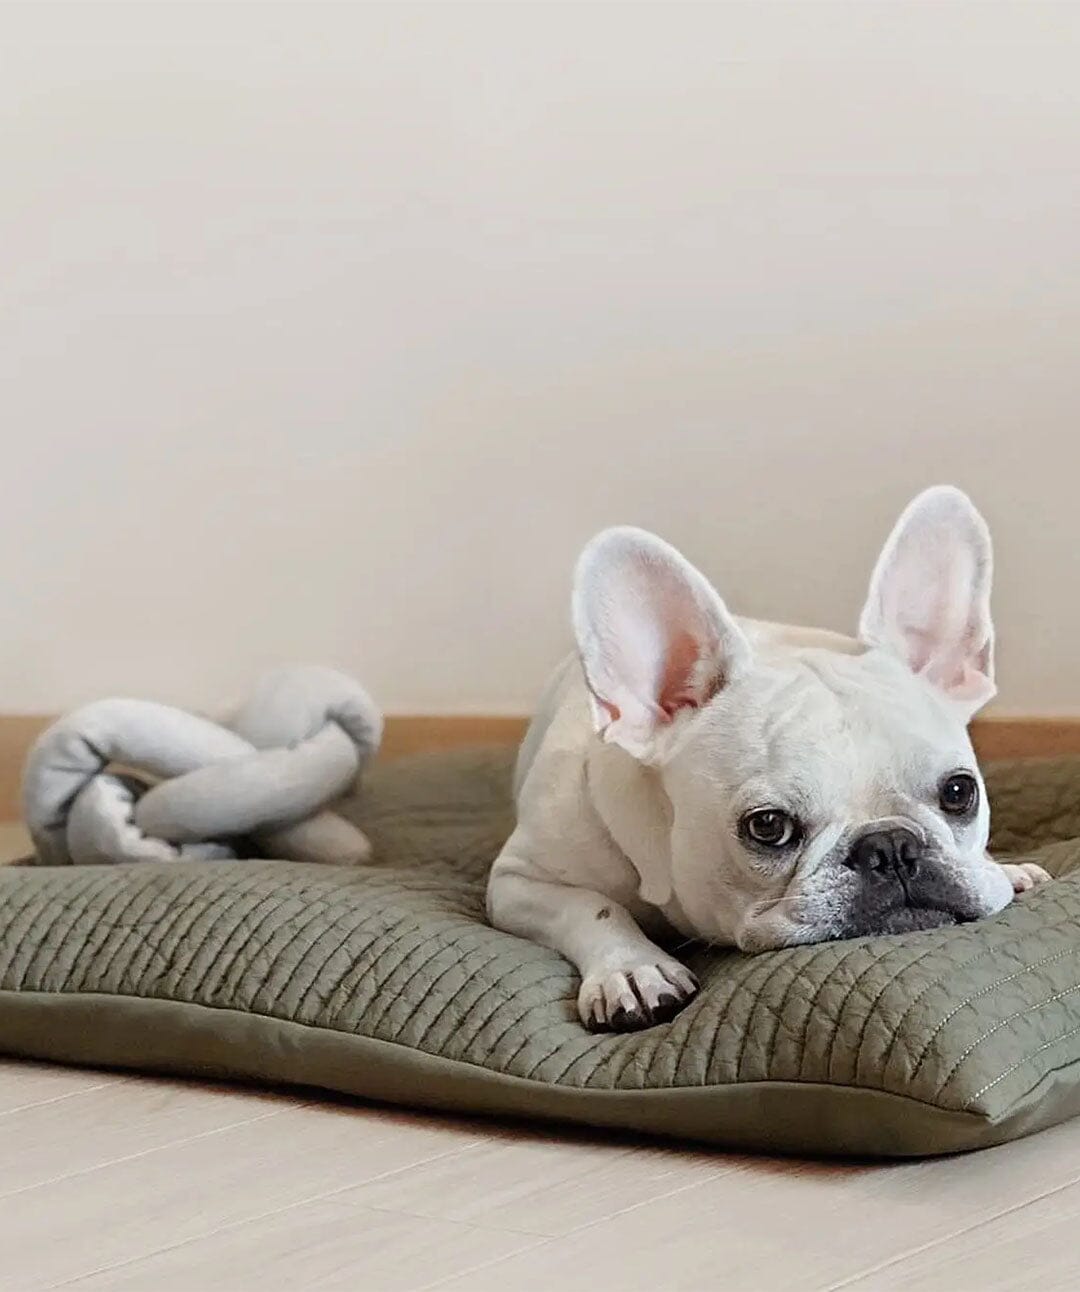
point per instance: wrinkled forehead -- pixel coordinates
(834, 725)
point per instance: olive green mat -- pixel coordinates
(385, 982)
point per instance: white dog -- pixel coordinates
(751, 784)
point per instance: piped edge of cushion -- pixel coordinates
(811, 1118)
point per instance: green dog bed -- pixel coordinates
(384, 981)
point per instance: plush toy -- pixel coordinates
(130, 780)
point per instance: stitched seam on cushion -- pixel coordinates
(116, 925)
(175, 916)
(693, 1037)
(853, 986)
(429, 988)
(340, 991)
(315, 907)
(696, 1028)
(319, 907)
(451, 945)
(590, 1052)
(451, 998)
(181, 969)
(1020, 1013)
(1046, 1045)
(597, 1042)
(529, 1037)
(224, 960)
(777, 1013)
(804, 1032)
(659, 1034)
(358, 964)
(32, 908)
(551, 1053)
(449, 935)
(848, 991)
(995, 949)
(630, 1059)
(511, 1025)
(844, 957)
(504, 1000)
(42, 937)
(744, 984)
(22, 953)
(137, 938)
(20, 918)
(873, 1006)
(634, 1056)
(985, 991)
(373, 954)
(998, 948)
(267, 906)
(487, 990)
(470, 1063)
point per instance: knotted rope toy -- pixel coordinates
(192, 788)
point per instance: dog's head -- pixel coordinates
(819, 786)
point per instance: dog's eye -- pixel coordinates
(959, 794)
(770, 828)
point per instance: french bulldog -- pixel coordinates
(752, 784)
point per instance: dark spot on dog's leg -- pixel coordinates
(603, 913)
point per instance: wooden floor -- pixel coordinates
(139, 1184)
(150, 1185)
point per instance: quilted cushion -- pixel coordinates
(385, 982)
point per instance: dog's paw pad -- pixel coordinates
(626, 1000)
(1025, 875)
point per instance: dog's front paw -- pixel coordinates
(1025, 875)
(635, 996)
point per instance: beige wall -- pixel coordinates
(332, 332)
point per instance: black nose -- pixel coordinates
(896, 849)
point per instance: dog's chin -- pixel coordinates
(914, 919)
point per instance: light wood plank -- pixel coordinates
(1047, 737)
(314, 1245)
(799, 1226)
(24, 1083)
(417, 733)
(135, 1207)
(540, 1183)
(14, 842)
(18, 731)
(48, 1141)
(1034, 1246)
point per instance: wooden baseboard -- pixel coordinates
(994, 737)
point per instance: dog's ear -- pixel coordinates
(929, 596)
(654, 636)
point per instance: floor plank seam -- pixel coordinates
(131, 1157)
(481, 1226)
(483, 1265)
(55, 1099)
(853, 1279)
(248, 1220)
(645, 1202)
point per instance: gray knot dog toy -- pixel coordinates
(198, 786)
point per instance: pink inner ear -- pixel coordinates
(960, 677)
(680, 688)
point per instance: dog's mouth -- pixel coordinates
(932, 901)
